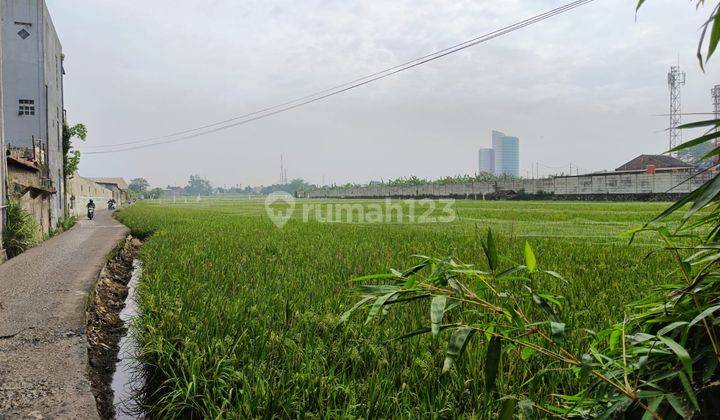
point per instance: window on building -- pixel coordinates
(23, 33)
(27, 107)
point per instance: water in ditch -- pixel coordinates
(125, 379)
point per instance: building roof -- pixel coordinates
(119, 182)
(641, 162)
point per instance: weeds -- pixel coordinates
(21, 230)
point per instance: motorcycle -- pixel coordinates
(111, 206)
(91, 213)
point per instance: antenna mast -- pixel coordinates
(676, 78)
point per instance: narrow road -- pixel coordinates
(43, 351)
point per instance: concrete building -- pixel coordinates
(656, 163)
(27, 185)
(3, 200)
(118, 186)
(507, 154)
(33, 92)
(81, 190)
(486, 159)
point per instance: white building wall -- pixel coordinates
(81, 190)
(620, 183)
(32, 70)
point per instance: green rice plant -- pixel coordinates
(241, 319)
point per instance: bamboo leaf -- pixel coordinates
(492, 362)
(413, 270)
(678, 405)
(530, 261)
(704, 314)
(688, 390)
(679, 351)
(375, 309)
(556, 275)
(437, 310)
(694, 142)
(419, 331)
(671, 327)
(346, 315)
(458, 341)
(714, 36)
(490, 249)
(653, 406)
(696, 124)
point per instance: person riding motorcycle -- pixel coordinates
(111, 204)
(90, 205)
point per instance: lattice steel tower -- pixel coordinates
(676, 78)
(715, 92)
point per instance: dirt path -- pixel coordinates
(43, 351)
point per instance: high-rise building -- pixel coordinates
(32, 79)
(507, 154)
(486, 159)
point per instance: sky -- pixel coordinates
(582, 89)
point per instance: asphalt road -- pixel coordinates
(43, 351)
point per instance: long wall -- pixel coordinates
(594, 186)
(81, 190)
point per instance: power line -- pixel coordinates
(336, 90)
(552, 12)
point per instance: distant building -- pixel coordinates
(82, 190)
(32, 82)
(507, 154)
(118, 186)
(656, 163)
(486, 159)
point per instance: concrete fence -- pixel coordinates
(81, 190)
(610, 185)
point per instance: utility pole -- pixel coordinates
(675, 79)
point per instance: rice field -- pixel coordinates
(240, 317)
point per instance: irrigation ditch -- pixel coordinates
(107, 311)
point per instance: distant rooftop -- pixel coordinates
(641, 163)
(121, 184)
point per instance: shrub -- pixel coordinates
(21, 230)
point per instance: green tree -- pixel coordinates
(198, 185)
(71, 156)
(139, 185)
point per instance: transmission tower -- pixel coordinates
(283, 172)
(676, 78)
(715, 92)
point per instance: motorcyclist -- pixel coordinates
(90, 205)
(111, 204)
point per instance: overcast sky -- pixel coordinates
(580, 88)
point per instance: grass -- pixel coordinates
(240, 317)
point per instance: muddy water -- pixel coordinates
(125, 380)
